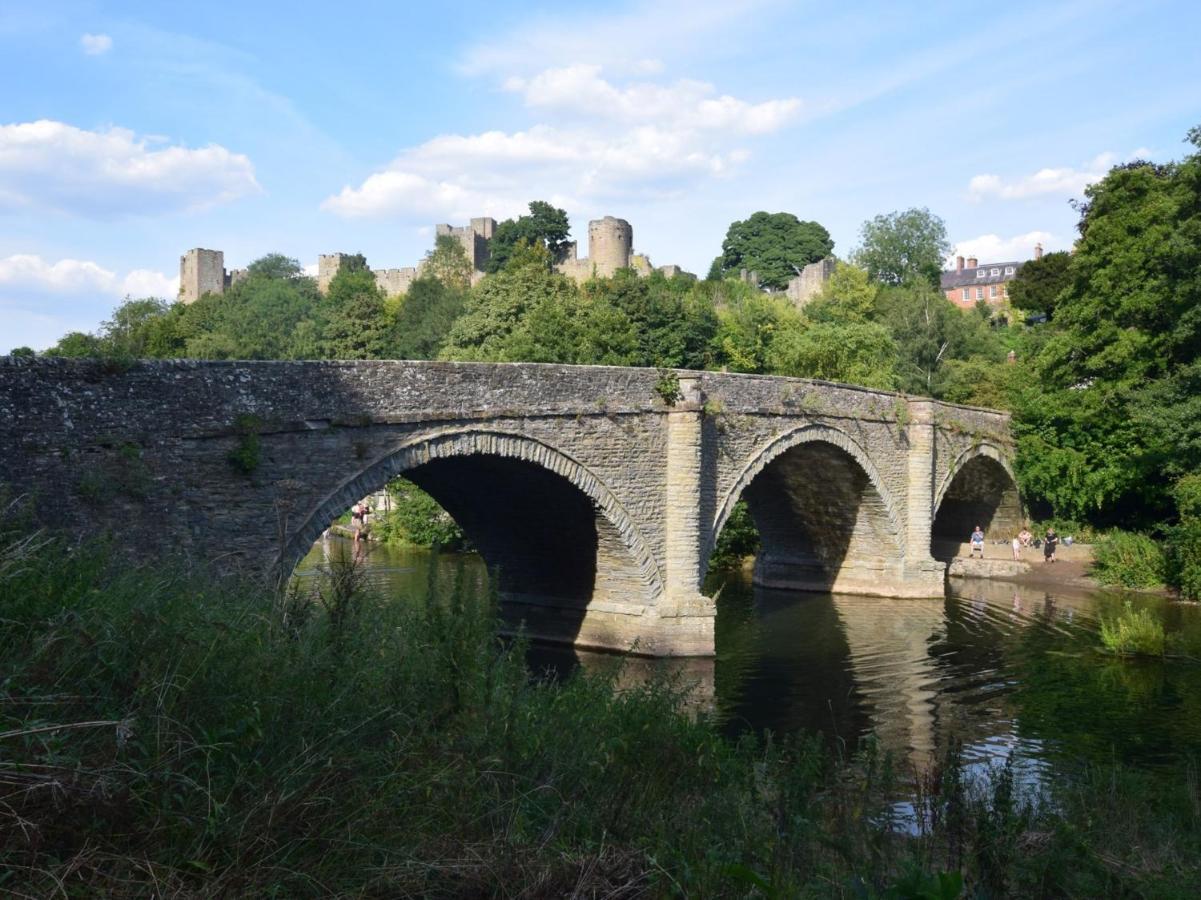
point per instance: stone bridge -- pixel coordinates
(597, 493)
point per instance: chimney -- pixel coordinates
(958, 263)
(1038, 251)
(971, 262)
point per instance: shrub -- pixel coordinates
(1183, 569)
(416, 519)
(1129, 559)
(1133, 632)
(738, 539)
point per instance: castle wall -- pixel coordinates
(395, 281)
(610, 243)
(811, 281)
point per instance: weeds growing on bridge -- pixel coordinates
(165, 735)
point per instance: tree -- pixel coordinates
(858, 353)
(448, 263)
(775, 245)
(1039, 283)
(545, 225)
(498, 305)
(428, 311)
(848, 296)
(903, 247)
(1116, 418)
(277, 266)
(358, 326)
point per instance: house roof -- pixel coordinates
(957, 279)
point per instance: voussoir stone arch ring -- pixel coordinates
(985, 449)
(452, 443)
(772, 450)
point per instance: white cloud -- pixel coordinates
(989, 248)
(48, 165)
(1065, 181)
(579, 91)
(603, 142)
(27, 274)
(96, 44)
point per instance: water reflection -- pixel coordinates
(1007, 670)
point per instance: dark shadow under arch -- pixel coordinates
(823, 516)
(980, 490)
(557, 539)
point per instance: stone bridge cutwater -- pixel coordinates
(596, 500)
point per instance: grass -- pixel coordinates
(164, 734)
(1133, 632)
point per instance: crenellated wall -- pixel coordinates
(597, 501)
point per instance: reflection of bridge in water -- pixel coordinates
(912, 673)
(597, 493)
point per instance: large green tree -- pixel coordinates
(1039, 283)
(775, 245)
(1115, 418)
(426, 314)
(357, 324)
(904, 246)
(545, 225)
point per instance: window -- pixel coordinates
(992, 291)
(1009, 270)
(967, 292)
(979, 293)
(995, 272)
(981, 273)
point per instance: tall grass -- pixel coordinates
(163, 734)
(1133, 632)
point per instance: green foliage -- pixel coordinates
(246, 456)
(848, 297)
(862, 353)
(1133, 632)
(1039, 282)
(426, 315)
(23, 352)
(668, 387)
(206, 739)
(545, 226)
(448, 264)
(903, 247)
(417, 520)
(1182, 549)
(748, 323)
(739, 538)
(1128, 559)
(775, 245)
(357, 325)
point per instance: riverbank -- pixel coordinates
(164, 734)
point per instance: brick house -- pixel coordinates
(971, 282)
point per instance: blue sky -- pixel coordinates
(131, 132)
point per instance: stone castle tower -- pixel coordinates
(203, 272)
(610, 244)
(476, 239)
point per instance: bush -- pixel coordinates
(1133, 632)
(738, 539)
(417, 520)
(1183, 546)
(1129, 559)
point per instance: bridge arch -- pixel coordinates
(979, 488)
(542, 559)
(826, 519)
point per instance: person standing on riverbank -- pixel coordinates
(1017, 548)
(977, 542)
(1050, 542)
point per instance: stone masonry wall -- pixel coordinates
(144, 451)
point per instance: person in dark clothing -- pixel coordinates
(1050, 542)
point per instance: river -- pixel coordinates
(1009, 671)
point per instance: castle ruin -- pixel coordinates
(610, 248)
(203, 272)
(810, 281)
